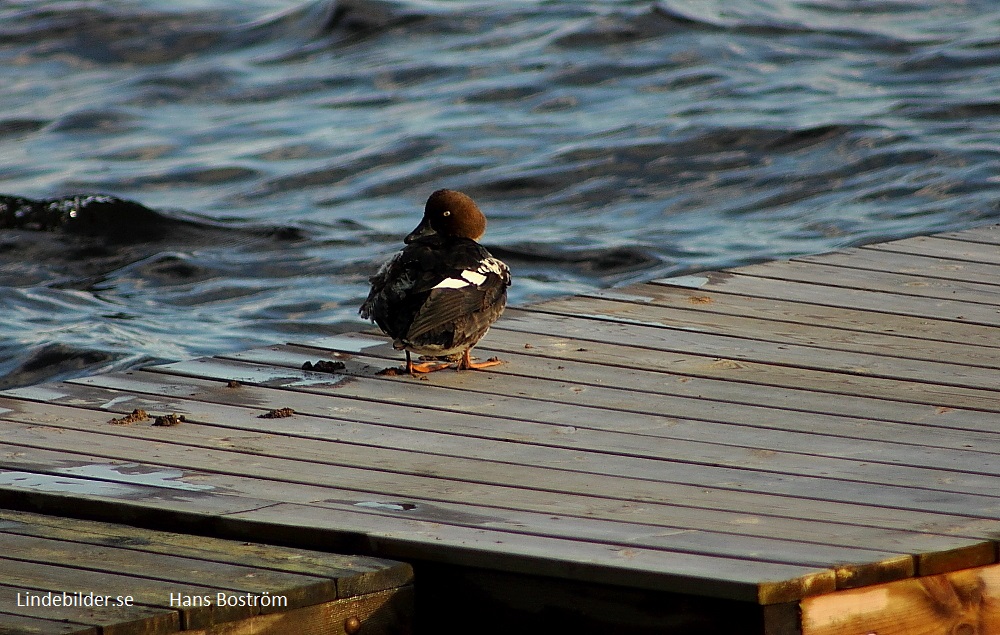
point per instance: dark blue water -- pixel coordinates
(295, 142)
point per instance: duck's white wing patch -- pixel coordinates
(474, 277)
(465, 278)
(452, 283)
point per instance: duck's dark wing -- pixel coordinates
(477, 293)
(432, 284)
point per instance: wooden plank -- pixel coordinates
(111, 620)
(871, 301)
(921, 265)
(580, 439)
(767, 302)
(816, 336)
(354, 574)
(575, 378)
(40, 578)
(91, 445)
(384, 613)
(942, 248)
(478, 547)
(924, 546)
(989, 234)
(24, 625)
(548, 506)
(797, 428)
(965, 601)
(813, 533)
(964, 471)
(582, 504)
(745, 580)
(744, 349)
(893, 284)
(300, 590)
(621, 354)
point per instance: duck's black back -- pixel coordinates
(438, 290)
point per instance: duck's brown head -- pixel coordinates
(451, 214)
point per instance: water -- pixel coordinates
(294, 144)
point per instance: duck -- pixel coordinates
(440, 294)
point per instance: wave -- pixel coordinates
(73, 241)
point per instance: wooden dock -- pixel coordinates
(71, 577)
(810, 446)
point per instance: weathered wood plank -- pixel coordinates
(57, 575)
(678, 441)
(873, 301)
(24, 625)
(301, 590)
(354, 574)
(111, 620)
(622, 355)
(475, 546)
(815, 336)
(965, 601)
(912, 264)
(764, 583)
(565, 498)
(576, 376)
(769, 303)
(580, 439)
(910, 543)
(126, 566)
(383, 613)
(943, 248)
(745, 349)
(798, 429)
(893, 284)
(989, 234)
(924, 546)
(960, 475)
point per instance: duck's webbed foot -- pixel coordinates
(466, 362)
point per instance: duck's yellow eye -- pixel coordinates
(446, 213)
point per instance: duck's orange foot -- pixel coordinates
(423, 367)
(467, 364)
(426, 367)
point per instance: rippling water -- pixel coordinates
(294, 144)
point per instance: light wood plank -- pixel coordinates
(766, 302)
(524, 359)
(961, 602)
(913, 264)
(624, 354)
(744, 349)
(989, 234)
(893, 284)
(871, 301)
(943, 248)
(816, 336)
